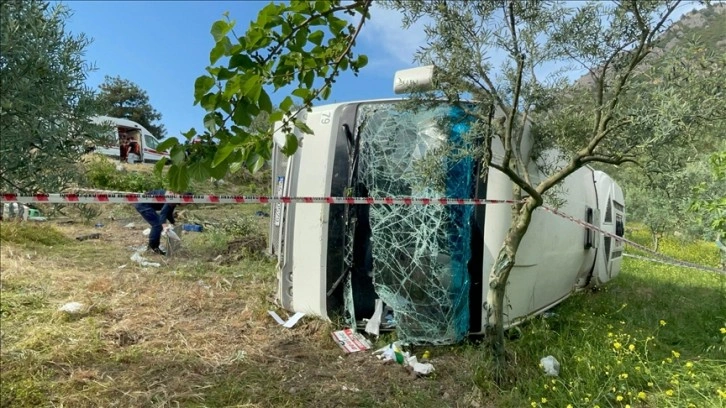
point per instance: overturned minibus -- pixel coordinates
(428, 265)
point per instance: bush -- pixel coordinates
(103, 174)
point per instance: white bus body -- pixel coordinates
(314, 243)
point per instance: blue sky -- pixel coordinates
(163, 46)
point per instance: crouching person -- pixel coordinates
(156, 220)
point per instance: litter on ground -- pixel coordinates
(71, 307)
(290, 322)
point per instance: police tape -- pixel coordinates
(135, 198)
(661, 257)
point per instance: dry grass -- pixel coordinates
(194, 332)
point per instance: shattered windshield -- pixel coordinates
(416, 256)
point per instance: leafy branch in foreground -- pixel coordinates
(302, 46)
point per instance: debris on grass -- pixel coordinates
(130, 225)
(350, 341)
(290, 322)
(550, 365)
(71, 307)
(88, 236)
(373, 325)
(136, 257)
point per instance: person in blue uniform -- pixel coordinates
(156, 219)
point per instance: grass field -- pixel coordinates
(195, 332)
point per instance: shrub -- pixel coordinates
(103, 174)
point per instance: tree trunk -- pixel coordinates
(499, 275)
(656, 242)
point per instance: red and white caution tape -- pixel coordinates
(661, 257)
(134, 198)
(673, 263)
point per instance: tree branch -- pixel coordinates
(516, 179)
(617, 160)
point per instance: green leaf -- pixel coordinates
(325, 93)
(224, 74)
(201, 86)
(220, 170)
(178, 178)
(303, 126)
(316, 37)
(254, 162)
(276, 116)
(166, 144)
(242, 116)
(291, 143)
(241, 61)
(198, 170)
(222, 152)
(362, 61)
(159, 166)
(286, 104)
(220, 28)
(309, 79)
(189, 134)
(302, 93)
(209, 101)
(322, 6)
(210, 122)
(336, 25)
(265, 102)
(252, 87)
(177, 155)
(217, 52)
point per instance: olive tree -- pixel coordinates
(509, 56)
(44, 103)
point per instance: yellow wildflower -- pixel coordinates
(627, 405)
(617, 345)
(641, 395)
(619, 398)
(610, 335)
(675, 354)
(669, 393)
(631, 347)
(662, 322)
(544, 400)
(623, 376)
(650, 384)
(721, 394)
(533, 404)
(689, 365)
(569, 406)
(674, 381)
(723, 330)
